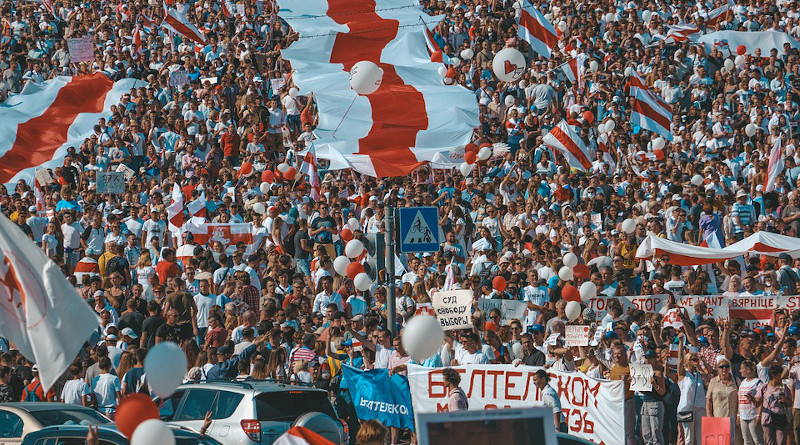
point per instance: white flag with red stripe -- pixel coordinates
(535, 29)
(649, 111)
(437, 55)
(775, 166)
(299, 435)
(42, 315)
(226, 10)
(721, 14)
(197, 209)
(573, 68)
(176, 22)
(175, 211)
(310, 168)
(565, 139)
(682, 33)
(226, 233)
(38, 125)
(412, 118)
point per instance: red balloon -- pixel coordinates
(354, 269)
(588, 116)
(245, 170)
(437, 57)
(581, 271)
(132, 411)
(499, 283)
(571, 293)
(451, 73)
(470, 157)
(471, 148)
(290, 174)
(485, 144)
(741, 49)
(267, 176)
(346, 234)
(277, 175)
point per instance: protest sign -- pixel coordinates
(672, 319)
(111, 182)
(81, 49)
(640, 377)
(453, 309)
(125, 170)
(509, 309)
(593, 409)
(377, 395)
(577, 335)
(226, 233)
(179, 78)
(43, 177)
(717, 430)
(718, 306)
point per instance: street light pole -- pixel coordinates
(390, 279)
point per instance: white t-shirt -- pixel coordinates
(106, 386)
(747, 410)
(74, 390)
(154, 229)
(204, 303)
(382, 356)
(476, 358)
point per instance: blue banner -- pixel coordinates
(377, 395)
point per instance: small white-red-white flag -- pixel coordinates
(310, 167)
(197, 209)
(42, 314)
(299, 435)
(566, 140)
(175, 211)
(177, 22)
(775, 166)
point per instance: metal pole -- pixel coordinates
(390, 279)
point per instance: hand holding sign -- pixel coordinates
(641, 377)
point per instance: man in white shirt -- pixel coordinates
(204, 301)
(472, 354)
(327, 296)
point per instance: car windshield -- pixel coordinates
(289, 405)
(69, 417)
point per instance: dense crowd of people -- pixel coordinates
(514, 215)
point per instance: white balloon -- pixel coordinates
(353, 248)
(562, 26)
(588, 290)
(264, 187)
(467, 54)
(516, 348)
(353, 224)
(728, 64)
(723, 70)
(362, 282)
(455, 61)
(259, 208)
(610, 124)
(340, 265)
(293, 91)
(697, 180)
(448, 80)
(603, 138)
(750, 129)
(566, 273)
(283, 167)
(601, 128)
(658, 143)
(442, 71)
(738, 61)
(508, 65)
(573, 310)
(647, 15)
(594, 66)
(153, 432)
(509, 100)
(422, 337)
(165, 366)
(549, 17)
(485, 153)
(610, 17)
(570, 260)
(465, 169)
(628, 226)
(365, 77)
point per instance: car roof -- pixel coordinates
(250, 385)
(43, 406)
(107, 428)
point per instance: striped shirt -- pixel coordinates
(746, 214)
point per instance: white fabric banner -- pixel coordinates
(593, 409)
(718, 306)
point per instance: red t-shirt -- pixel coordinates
(166, 269)
(230, 144)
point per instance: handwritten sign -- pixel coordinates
(577, 335)
(179, 78)
(509, 309)
(111, 182)
(453, 309)
(125, 170)
(81, 49)
(43, 177)
(641, 376)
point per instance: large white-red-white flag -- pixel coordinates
(682, 33)
(41, 313)
(649, 111)
(299, 435)
(179, 23)
(226, 233)
(38, 125)
(566, 140)
(775, 166)
(535, 29)
(175, 211)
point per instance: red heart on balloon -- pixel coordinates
(510, 67)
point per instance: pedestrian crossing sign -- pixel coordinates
(419, 229)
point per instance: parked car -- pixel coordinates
(108, 435)
(22, 418)
(254, 411)
(568, 439)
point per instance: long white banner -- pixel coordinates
(717, 304)
(593, 409)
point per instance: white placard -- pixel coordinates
(577, 335)
(125, 170)
(178, 79)
(81, 49)
(453, 309)
(509, 309)
(111, 182)
(640, 377)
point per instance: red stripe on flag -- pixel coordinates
(183, 29)
(536, 29)
(573, 148)
(398, 110)
(645, 109)
(38, 139)
(751, 314)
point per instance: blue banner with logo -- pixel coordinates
(377, 395)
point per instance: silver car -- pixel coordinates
(254, 411)
(19, 419)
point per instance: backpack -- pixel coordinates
(31, 396)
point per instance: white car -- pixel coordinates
(22, 418)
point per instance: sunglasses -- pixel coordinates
(724, 366)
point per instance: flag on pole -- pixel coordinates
(437, 55)
(682, 33)
(563, 138)
(226, 10)
(43, 315)
(311, 168)
(775, 166)
(176, 22)
(175, 211)
(573, 68)
(649, 111)
(536, 30)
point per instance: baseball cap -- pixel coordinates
(128, 332)
(35, 368)
(785, 257)
(650, 354)
(536, 328)
(347, 343)
(111, 337)
(741, 193)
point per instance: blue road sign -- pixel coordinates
(419, 229)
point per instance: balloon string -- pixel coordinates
(345, 115)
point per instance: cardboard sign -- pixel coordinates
(672, 319)
(577, 335)
(111, 182)
(552, 340)
(509, 309)
(81, 49)
(178, 79)
(125, 170)
(717, 431)
(43, 177)
(453, 309)
(640, 377)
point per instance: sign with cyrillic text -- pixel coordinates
(453, 309)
